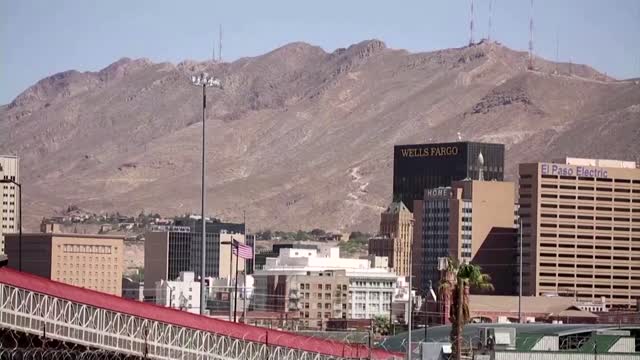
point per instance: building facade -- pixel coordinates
(175, 249)
(90, 261)
(581, 229)
(9, 222)
(428, 166)
(468, 221)
(309, 283)
(182, 293)
(395, 238)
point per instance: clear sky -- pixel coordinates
(40, 38)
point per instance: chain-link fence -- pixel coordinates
(19, 346)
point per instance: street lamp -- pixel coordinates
(205, 81)
(10, 181)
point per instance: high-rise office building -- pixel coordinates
(9, 222)
(472, 221)
(174, 249)
(428, 166)
(581, 229)
(395, 237)
(90, 261)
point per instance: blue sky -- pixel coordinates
(40, 38)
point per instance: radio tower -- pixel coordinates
(471, 25)
(530, 66)
(213, 52)
(220, 44)
(490, 11)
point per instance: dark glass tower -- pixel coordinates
(428, 166)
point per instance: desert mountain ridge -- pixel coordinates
(299, 138)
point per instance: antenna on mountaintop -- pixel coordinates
(220, 44)
(471, 25)
(557, 50)
(490, 13)
(530, 66)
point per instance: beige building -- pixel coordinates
(89, 261)
(321, 295)
(581, 229)
(472, 221)
(395, 237)
(177, 249)
(9, 170)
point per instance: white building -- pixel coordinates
(182, 293)
(370, 291)
(9, 170)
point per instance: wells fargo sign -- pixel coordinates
(430, 151)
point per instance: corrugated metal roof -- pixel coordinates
(181, 318)
(441, 333)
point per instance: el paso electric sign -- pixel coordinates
(570, 170)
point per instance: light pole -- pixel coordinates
(205, 81)
(10, 181)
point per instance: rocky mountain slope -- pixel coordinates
(299, 138)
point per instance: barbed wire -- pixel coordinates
(16, 345)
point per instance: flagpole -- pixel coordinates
(235, 293)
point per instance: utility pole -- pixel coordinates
(370, 333)
(244, 295)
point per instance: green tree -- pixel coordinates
(460, 278)
(381, 325)
(317, 232)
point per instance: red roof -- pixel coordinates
(181, 318)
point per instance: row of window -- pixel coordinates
(592, 286)
(617, 180)
(88, 249)
(585, 217)
(585, 198)
(582, 207)
(586, 188)
(589, 227)
(591, 276)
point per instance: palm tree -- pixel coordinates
(459, 278)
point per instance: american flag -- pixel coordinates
(241, 250)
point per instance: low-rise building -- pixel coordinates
(90, 261)
(319, 286)
(182, 293)
(169, 250)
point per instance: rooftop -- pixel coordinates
(596, 162)
(553, 306)
(441, 333)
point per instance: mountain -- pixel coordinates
(299, 138)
